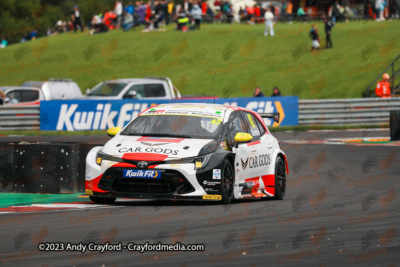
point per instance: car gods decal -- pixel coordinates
(148, 149)
(256, 161)
(244, 163)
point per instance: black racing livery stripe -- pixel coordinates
(205, 175)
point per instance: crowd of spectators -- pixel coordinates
(156, 14)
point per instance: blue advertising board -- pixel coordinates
(74, 115)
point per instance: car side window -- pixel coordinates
(138, 88)
(235, 125)
(154, 90)
(260, 126)
(29, 95)
(251, 122)
(20, 96)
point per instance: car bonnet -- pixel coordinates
(154, 148)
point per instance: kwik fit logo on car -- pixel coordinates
(142, 174)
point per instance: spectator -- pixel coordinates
(204, 8)
(348, 13)
(3, 43)
(2, 97)
(182, 20)
(118, 11)
(58, 28)
(109, 18)
(301, 14)
(130, 9)
(76, 18)
(269, 24)
(283, 11)
(336, 14)
(128, 21)
(315, 38)
(33, 34)
(148, 17)
(196, 13)
(158, 14)
(258, 93)
(187, 6)
(27, 36)
(276, 92)
(383, 87)
(170, 6)
(164, 11)
(272, 8)
(242, 14)
(141, 11)
(230, 15)
(328, 29)
(379, 6)
(97, 25)
(393, 7)
(257, 11)
(276, 14)
(289, 12)
(70, 26)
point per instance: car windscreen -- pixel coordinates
(175, 126)
(108, 89)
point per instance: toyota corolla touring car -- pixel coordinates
(189, 151)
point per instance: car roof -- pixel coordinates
(8, 88)
(138, 80)
(180, 108)
(191, 109)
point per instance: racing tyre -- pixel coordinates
(227, 181)
(280, 178)
(102, 200)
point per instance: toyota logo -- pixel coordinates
(142, 164)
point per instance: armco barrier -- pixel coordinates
(359, 111)
(43, 167)
(75, 115)
(19, 118)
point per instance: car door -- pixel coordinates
(236, 124)
(258, 157)
(263, 148)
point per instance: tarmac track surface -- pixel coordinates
(342, 207)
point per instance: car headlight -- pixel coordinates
(199, 162)
(101, 156)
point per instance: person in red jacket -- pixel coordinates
(383, 87)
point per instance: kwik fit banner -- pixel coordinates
(73, 115)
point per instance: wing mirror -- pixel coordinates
(113, 131)
(242, 138)
(87, 91)
(6, 100)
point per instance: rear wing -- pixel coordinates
(274, 116)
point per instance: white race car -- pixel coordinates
(189, 151)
